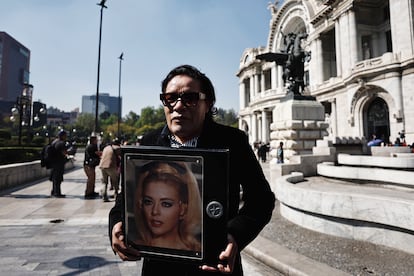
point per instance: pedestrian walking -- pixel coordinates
(280, 153)
(92, 159)
(109, 165)
(58, 164)
(262, 152)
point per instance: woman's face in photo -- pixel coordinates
(162, 208)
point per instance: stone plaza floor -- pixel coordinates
(41, 235)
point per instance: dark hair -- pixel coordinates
(205, 84)
(116, 142)
(62, 133)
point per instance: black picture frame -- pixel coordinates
(204, 215)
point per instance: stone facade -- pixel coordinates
(361, 69)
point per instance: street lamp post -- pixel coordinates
(18, 111)
(119, 93)
(23, 109)
(96, 127)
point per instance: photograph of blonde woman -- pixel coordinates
(167, 207)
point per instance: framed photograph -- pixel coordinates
(176, 202)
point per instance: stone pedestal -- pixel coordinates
(298, 122)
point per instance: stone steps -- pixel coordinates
(394, 170)
(397, 177)
(375, 213)
(395, 161)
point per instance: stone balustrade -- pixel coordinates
(13, 175)
(388, 151)
(396, 160)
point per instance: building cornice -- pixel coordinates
(322, 14)
(275, 21)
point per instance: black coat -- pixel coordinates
(244, 223)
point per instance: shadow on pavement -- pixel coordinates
(27, 196)
(84, 264)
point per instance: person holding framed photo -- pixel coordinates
(188, 97)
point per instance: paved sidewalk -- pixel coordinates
(42, 235)
(68, 236)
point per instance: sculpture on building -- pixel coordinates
(273, 7)
(292, 57)
(294, 68)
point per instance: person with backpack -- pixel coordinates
(56, 160)
(46, 156)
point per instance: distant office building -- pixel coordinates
(14, 67)
(106, 103)
(14, 72)
(57, 117)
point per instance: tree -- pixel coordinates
(104, 115)
(131, 119)
(84, 125)
(147, 128)
(109, 120)
(225, 117)
(151, 116)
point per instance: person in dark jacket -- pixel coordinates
(188, 97)
(58, 164)
(92, 159)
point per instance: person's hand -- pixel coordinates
(227, 258)
(125, 252)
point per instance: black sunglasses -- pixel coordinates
(189, 99)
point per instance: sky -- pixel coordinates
(154, 35)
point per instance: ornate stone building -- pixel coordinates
(361, 68)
